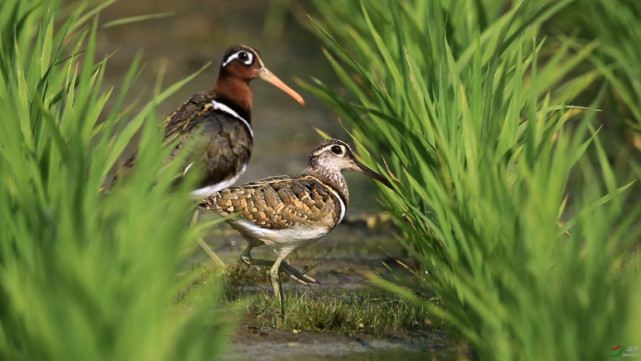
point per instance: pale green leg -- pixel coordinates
(290, 271)
(274, 275)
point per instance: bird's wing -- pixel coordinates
(278, 202)
(219, 144)
(185, 117)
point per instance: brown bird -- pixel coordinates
(293, 211)
(214, 127)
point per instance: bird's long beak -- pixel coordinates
(269, 77)
(359, 167)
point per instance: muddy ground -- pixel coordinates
(345, 263)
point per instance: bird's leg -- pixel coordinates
(246, 255)
(214, 257)
(248, 260)
(297, 275)
(290, 271)
(274, 275)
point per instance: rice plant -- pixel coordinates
(527, 241)
(615, 24)
(87, 274)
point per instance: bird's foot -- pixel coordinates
(297, 275)
(246, 260)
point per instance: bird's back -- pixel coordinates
(282, 209)
(218, 142)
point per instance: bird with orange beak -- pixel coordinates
(214, 127)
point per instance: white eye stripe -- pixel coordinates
(329, 148)
(322, 150)
(236, 55)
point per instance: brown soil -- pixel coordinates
(348, 257)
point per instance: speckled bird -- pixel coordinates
(292, 211)
(214, 127)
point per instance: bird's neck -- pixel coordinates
(235, 93)
(334, 180)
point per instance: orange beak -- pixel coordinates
(269, 77)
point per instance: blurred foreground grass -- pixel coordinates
(86, 275)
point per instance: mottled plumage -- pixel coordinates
(282, 202)
(289, 212)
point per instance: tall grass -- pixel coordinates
(86, 275)
(616, 25)
(525, 240)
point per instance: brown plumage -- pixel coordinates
(281, 202)
(214, 127)
(289, 212)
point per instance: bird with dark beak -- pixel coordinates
(292, 211)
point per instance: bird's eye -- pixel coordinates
(337, 150)
(244, 57)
